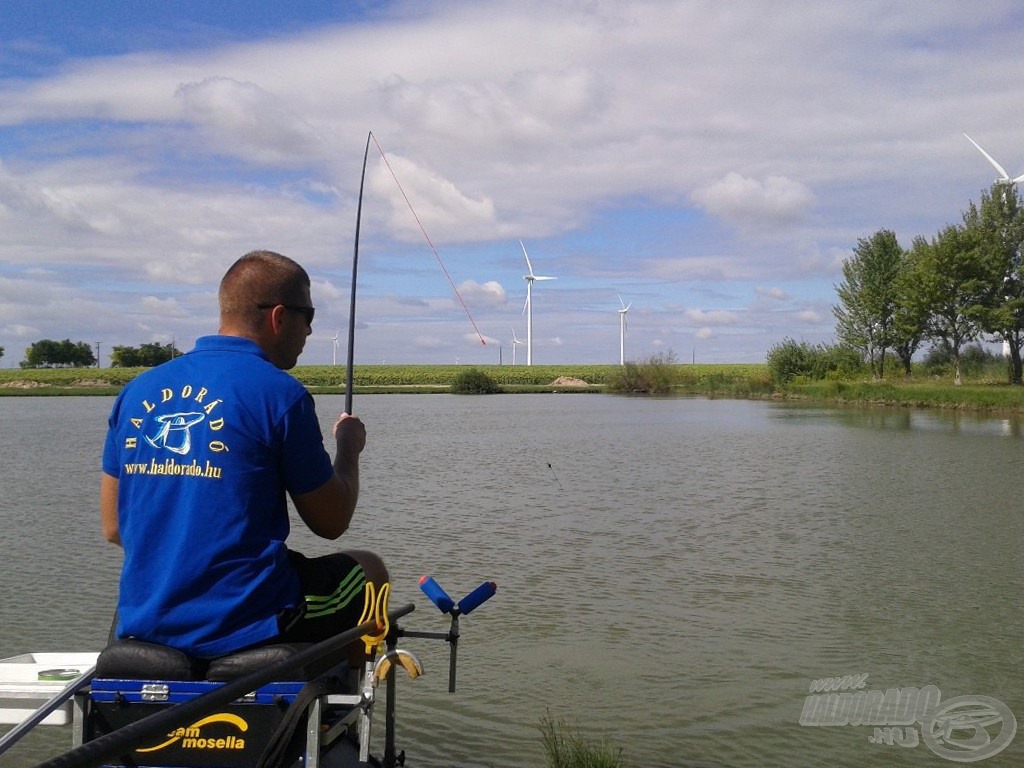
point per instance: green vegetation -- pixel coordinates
(964, 285)
(473, 381)
(145, 356)
(58, 354)
(792, 361)
(564, 747)
(740, 380)
(984, 385)
(654, 376)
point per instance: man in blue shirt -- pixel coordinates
(201, 453)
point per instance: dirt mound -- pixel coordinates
(568, 381)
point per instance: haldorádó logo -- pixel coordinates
(963, 729)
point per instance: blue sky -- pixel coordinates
(711, 163)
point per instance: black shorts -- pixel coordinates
(334, 589)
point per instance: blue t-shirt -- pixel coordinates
(205, 447)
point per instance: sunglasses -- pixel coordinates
(306, 312)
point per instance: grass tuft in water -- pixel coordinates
(564, 747)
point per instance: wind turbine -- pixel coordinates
(528, 307)
(622, 330)
(515, 341)
(335, 342)
(1004, 177)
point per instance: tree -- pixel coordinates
(58, 354)
(950, 284)
(867, 297)
(146, 356)
(909, 319)
(997, 231)
(1, 353)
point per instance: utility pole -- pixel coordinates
(97, 354)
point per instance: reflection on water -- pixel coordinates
(672, 574)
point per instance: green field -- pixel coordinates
(385, 378)
(744, 380)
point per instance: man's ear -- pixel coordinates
(275, 318)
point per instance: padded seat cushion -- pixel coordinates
(137, 660)
(241, 663)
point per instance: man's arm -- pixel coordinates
(108, 509)
(328, 509)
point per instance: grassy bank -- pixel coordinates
(983, 394)
(368, 379)
(985, 397)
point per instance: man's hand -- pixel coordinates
(350, 433)
(328, 510)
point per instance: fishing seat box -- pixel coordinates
(135, 680)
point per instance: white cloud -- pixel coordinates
(777, 294)
(489, 294)
(714, 317)
(163, 307)
(424, 205)
(749, 203)
(20, 330)
(243, 118)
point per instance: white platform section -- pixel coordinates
(29, 680)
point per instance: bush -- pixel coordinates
(791, 360)
(473, 381)
(654, 376)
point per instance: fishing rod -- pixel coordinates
(355, 264)
(352, 295)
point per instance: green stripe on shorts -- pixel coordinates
(350, 588)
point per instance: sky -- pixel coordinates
(710, 165)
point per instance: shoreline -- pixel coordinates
(739, 381)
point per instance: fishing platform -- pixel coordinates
(273, 706)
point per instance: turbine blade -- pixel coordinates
(528, 265)
(544, 277)
(989, 157)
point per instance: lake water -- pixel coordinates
(673, 574)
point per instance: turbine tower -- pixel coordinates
(335, 342)
(528, 307)
(515, 341)
(622, 330)
(1004, 177)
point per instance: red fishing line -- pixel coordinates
(427, 238)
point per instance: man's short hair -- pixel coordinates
(260, 277)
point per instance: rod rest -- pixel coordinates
(131, 659)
